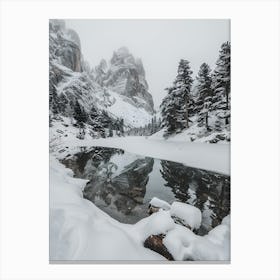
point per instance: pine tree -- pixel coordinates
(176, 106)
(183, 85)
(106, 120)
(155, 125)
(204, 94)
(53, 101)
(168, 113)
(62, 103)
(152, 125)
(122, 126)
(221, 80)
(110, 132)
(79, 114)
(119, 127)
(96, 122)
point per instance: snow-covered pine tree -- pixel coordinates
(111, 132)
(53, 102)
(168, 113)
(182, 95)
(96, 122)
(62, 103)
(122, 126)
(176, 105)
(221, 83)
(204, 95)
(106, 120)
(155, 125)
(80, 114)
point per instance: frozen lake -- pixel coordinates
(122, 185)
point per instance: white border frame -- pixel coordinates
(24, 138)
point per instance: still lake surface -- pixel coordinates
(122, 185)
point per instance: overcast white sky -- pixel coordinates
(159, 43)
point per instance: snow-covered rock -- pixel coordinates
(187, 214)
(156, 202)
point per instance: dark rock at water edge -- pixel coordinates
(154, 242)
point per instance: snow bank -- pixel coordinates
(183, 244)
(188, 214)
(177, 240)
(81, 231)
(196, 133)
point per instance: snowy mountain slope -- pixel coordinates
(120, 90)
(132, 116)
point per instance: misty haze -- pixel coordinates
(139, 117)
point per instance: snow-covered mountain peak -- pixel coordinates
(118, 87)
(126, 76)
(122, 58)
(122, 52)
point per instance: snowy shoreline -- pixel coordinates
(81, 231)
(212, 157)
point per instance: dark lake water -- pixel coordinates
(122, 185)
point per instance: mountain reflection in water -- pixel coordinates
(122, 184)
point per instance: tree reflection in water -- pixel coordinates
(204, 189)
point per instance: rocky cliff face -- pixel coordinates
(126, 76)
(118, 87)
(68, 81)
(64, 45)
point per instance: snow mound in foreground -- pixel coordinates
(81, 231)
(183, 244)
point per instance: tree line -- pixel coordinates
(183, 107)
(152, 127)
(101, 124)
